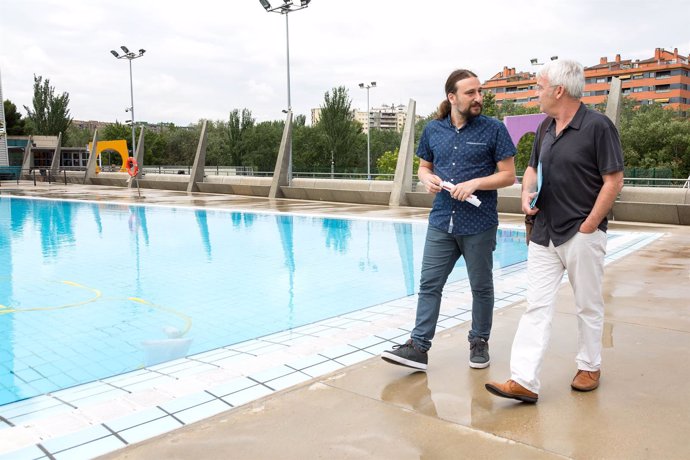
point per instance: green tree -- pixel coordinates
(50, 114)
(524, 151)
(339, 128)
(387, 163)
(154, 148)
(217, 152)
(116, 131)
(77, 137)
(489, 107)
(239, 124)
(14, 123)
(262, 143)
(307, 144)
(383, 141)
(653, 137)
(508, 108)
(420, 125)
(300, 120)
(178, 145)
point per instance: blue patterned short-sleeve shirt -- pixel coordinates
(459, 155)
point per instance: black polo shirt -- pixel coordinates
(573, 164)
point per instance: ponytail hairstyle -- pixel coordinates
(453, 78)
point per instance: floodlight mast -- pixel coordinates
(130, 56)
(285, 8)
(368, 87)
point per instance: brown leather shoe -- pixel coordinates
(586, 380)
(512, 389)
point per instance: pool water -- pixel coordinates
(92, 290)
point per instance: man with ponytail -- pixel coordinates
(463, 155)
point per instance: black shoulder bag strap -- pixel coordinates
(541, 132)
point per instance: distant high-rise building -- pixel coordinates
(387, 117)
(4, 158)
(663, 79)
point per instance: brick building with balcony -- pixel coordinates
(663, 78)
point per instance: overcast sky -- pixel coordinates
(206, 57)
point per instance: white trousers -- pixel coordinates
(583, 257)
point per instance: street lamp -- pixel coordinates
(285, 8)
(130, 56)
(535, 61)
(367, 87)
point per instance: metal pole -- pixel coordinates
(131, 108)
(289, 101)
(287, 43)
(368, 138)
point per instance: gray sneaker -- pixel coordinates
(406, 355)
(479, 353)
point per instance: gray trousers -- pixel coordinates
(441, 251)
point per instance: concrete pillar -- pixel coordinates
(402, 181)
(55, 164)
(613, 104)
(91, 163)
(139, 156)
(280, 174)
(28, 160)
(197, 174)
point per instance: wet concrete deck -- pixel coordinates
(377, 410)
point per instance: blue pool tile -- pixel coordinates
(31, 452)
(75, 439)
(29, 375)
(202, 411)
(446, 323)
(335, 352)
(154, 381)
(323, 368)
(249, 394)
(288, 380)
(366, 342)
(306, 361)
(186, 402)
(110, 394)
(391, 334)
(135, 419)
(28, 406)
(43, 385)
(231, 387)
(353, 358)
(380, 347)
(90, 450)
(231, 361)
(272, 373)
(62, 380)
(150, 429)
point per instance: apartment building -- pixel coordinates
(387, 117)
(663, 78)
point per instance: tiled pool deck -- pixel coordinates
(100, 417)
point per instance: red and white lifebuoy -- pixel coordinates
(132, 166)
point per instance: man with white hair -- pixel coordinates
(570, 185)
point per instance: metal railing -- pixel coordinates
(40, 174)
(658, 182)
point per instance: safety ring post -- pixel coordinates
(132, 166)
(133, 170)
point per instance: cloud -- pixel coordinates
(207, 57)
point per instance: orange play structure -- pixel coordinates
(119, 146)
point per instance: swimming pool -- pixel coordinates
(91, 290)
